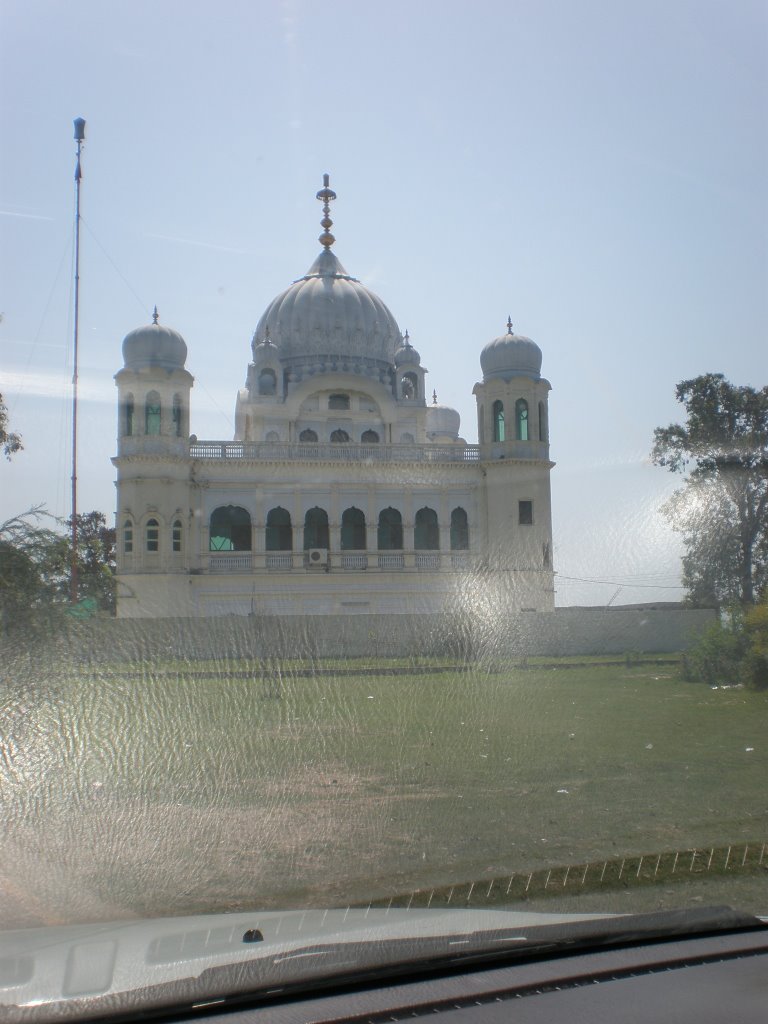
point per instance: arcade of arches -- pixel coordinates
(231, 530)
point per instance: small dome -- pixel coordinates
(406, 354)
(511, 355)
(329, 313)
(443, 420)
(264, 351)
(154, 346)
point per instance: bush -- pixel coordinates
(732, 651)
(717, 657)
(755, 667)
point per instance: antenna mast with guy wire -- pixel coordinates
(79, 139)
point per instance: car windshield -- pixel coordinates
(383, 500)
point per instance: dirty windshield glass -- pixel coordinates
(383, 496)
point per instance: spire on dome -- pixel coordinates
(405, 353)
(155, 315)
(326, 195)
(266, 341)
(434, 398)
(509, 325)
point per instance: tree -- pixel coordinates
(36, 565)
(96, 565)
(722, 510)
(26, 590)
(11, 443)
(96, 561)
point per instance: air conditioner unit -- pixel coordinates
(318, 556)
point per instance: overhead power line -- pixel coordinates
(614, 582)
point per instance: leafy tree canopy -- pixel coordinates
(35, 566)
(722, 510)
(10, 442)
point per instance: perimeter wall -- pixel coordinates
(564, 632)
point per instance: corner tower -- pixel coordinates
(153, 391)
(513, 435)
(153, 465)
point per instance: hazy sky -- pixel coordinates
(596, 169)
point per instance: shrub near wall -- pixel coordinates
(733, 651)
(756, 663)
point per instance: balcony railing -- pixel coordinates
(427, 560)
(358, 560)
(239, 561)
(279, 560)
(393, 560)
(335, 561)
(335, 452)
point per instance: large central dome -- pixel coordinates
(329, 313)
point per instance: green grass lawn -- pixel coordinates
(165, 794)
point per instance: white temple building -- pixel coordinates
(346, 489)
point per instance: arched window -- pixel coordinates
(338, 402)
(521, 419)
(542, 422)
(308, 437)
(152, 535)
(127, 537)
(409, 385)
(353, 530)
(279, 533)
(459, 530)
(407, 438)
(176, 414)
(152, 413)
(426, 535)
(267, 382)
(339, 437)
(316, 529)
(272, 437)
(230, 529)
(390, 532)
(176, 535)
(369, 437)
(129, 424)
(499, 432)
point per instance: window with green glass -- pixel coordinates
(230, 529)
(152, 535)
(499, 432)
(353, 536)
(426, 534)
(521, 419)
(152, 413)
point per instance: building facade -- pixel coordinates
(345, 489)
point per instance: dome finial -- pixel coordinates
(434, 398)
(407, 339)
(326, 195)
(155, 315)
(509, 325)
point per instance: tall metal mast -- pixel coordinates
(79, 139)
